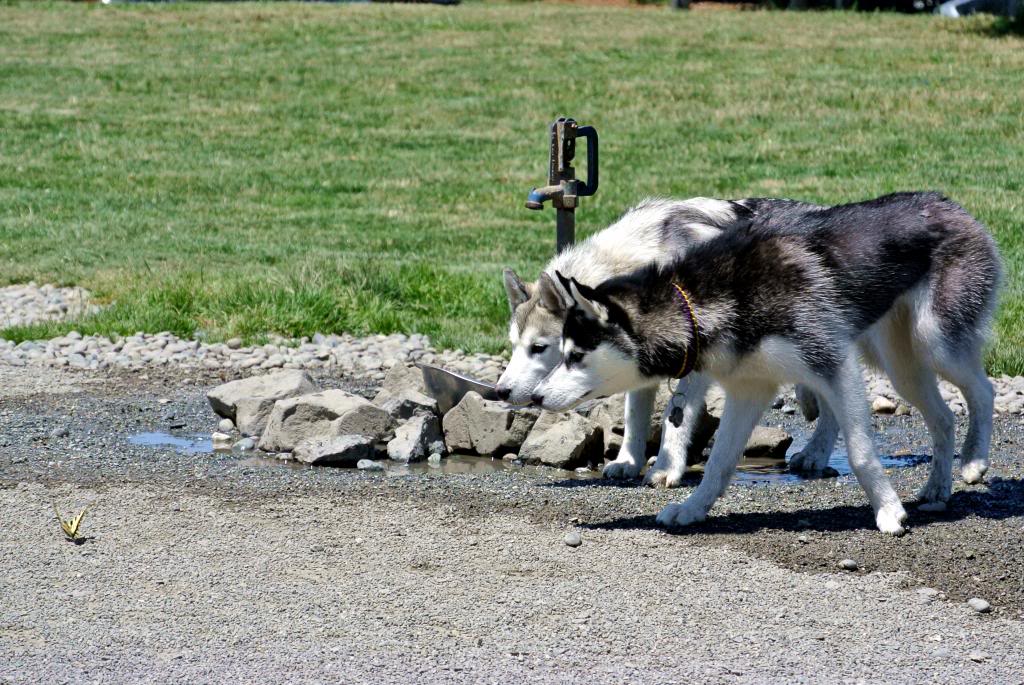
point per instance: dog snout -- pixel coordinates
(503, 393)
(537, 399)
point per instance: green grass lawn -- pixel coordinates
(241, 169)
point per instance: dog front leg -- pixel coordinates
(682, 415)
(633, 455)
(743, 409)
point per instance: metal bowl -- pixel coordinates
(448, 387)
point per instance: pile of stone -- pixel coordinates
(28, 303)
(286, 413)
(368, 357)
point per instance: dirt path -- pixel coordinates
(212, 568)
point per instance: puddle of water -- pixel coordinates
(749, 472)
(196, 444)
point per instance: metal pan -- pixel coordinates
(448, 387)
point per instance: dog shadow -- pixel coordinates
(1002, 499)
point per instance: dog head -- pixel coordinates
(598, 354)
(535, 331)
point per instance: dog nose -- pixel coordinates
(503, 393)
(537, 399)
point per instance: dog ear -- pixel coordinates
(586, 299)
(517, 291)
(553, 297)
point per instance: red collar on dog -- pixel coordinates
(692, 350)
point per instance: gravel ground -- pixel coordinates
(230, 568)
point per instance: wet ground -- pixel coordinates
(74, 439)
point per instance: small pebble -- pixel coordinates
(883, 405)
(226, 426)
(848, 565)
(434, 459)
(979, 605)
(234, 343)
(369, 465)
(801, 539)
(978, 656)
(244, 445)
(511, 456)
(788, 409)
(573, 539)
(941, 653)
(59, 432)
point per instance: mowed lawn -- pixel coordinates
(236, 169)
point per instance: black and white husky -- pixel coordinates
(911, 277)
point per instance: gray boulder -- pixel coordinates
(400, 378)
(249, 401)
(343, 450)
(406, 403)
(324, 414)
(563, 440)
(417, 438)
(486, 427)
(767, 442)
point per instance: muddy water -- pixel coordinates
(750, 472)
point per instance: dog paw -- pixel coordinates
(662, 478)
(891, 519)
(676, 515)
(974, 471)
(934, 495)
(621, 469)
(809, 460)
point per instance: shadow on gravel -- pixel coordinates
(1002, 499)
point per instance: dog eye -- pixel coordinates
(537, 348)
(575, 357)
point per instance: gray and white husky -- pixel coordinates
(911, 277)
(654, 232)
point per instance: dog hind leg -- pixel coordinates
(845, 395)
(742, 411)
(633, 455)
(682, 415)
(969, 376)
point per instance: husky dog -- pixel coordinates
(912, 277)
(654, 232)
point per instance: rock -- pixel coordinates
(369, 465)
(244, 445)
(248, 402)
(848, 565)
(221, 441)
(406, 403)
(978, 656)
(226, 426)
(573, 539)
(415, 439)
(883, 405)
(434, 459)
(59, 432)
(234, 343)
(979, 605)
(456, 424)
(902, 409)
(788, 409)
(486, 427)
(400, 378)
(563, 440)
(929, 592)
(324, 414)
(767, 442)
(342, 450)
